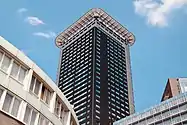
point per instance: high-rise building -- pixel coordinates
(174, 87)
(94, 69)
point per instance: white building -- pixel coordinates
(27, 95)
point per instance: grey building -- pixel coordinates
(170, 112)
(94, 68)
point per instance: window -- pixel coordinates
(15, 107)
(1, 56)
(57, 107)
(7, 102)
(11, 104)
(35, 85)
(62, 113)
(46, 95)
(30, 116)
(43, 120)
(18, 72)
(5, 62)
(1, 91)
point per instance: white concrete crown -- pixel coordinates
(103, 17)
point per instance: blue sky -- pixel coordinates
(159, 26)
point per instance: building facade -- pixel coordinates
(174, 87)
(173, 111)
(27, 95)
(94, 69)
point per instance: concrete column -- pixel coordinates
(67, 117)
(2, 98)
(27, 80)
(37, 119)
(53, 102)
(22, 110)
(40, 91)
(129, 80)
(10, 67)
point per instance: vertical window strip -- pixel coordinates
(30, 115)
(5, 62)
(35, 86)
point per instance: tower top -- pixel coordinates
(86, 19)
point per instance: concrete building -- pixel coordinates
(94, 68)
(174, 86)
(27, 95)
(173, 111)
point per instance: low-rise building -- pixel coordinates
(27, 95)
(170, 112)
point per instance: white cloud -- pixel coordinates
(157, 13)
(34, 21)
(22, 10)
(47, 35)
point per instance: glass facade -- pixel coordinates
(76, 75)
(93, 77)
(94, 70)
(170, 112)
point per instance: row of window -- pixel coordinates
(70, 79)
(75, 58)
(44, 93)
(116, 61)
(18, 72)
(78, 64)
(37, 87)
(13, 106)
(117, 53)
(115, 45)
(76, 47)
(82, 53)
(82, 38)
(78, 44)
(162, 115)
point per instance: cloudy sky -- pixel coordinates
(159, 26)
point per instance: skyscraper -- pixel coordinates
(94, 69)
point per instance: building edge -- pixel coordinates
(23, 59)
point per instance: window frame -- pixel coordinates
(18, 72)
(47, 92)
(33, 89)
(1, 62)
(30, 114)
(12, 104)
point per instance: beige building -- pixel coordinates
(27, 95)
(174, 87)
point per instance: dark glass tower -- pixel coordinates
(94, 69)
